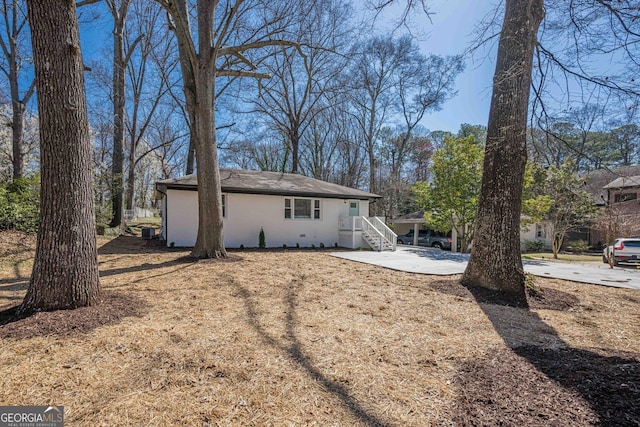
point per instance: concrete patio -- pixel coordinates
(437, 262)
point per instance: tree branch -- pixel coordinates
(86, 2)
(240, 73)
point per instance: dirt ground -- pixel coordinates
(303, 338)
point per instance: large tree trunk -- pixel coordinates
(210, 240)
(65, 270)
(119, 66)
(495, 261)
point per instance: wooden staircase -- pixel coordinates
(377, 235)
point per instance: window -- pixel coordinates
(224, 206)
(316, 209)
(287, 208)
(302, 208)
(625, 197)
(540, 232)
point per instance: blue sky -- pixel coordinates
(449, 32)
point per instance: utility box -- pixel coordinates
(148, 232)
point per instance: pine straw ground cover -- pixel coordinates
(303, 338)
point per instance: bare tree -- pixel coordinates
(15, 58)
(149, 72)
(119, 10)
(65, 270)
(170, 139)
(302, 87)
(222, 49)
(374, 73)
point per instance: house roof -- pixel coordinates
(624, 182)
(271, 183)
(597, 180)
(416, 217)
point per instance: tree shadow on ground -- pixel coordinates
(16, 284)
(127, 244)
(290, 346)
(437, 254)
(184, 262)
(541, 380)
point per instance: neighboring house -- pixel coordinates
(538, 231)
(291, 209)
(616, 187)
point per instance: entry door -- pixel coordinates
(354, 208)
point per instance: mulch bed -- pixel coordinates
(533, 386)
(537, 386)
(67, 323)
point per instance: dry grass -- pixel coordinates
(282, 338)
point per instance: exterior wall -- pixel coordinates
(538, 231)
(247, 213)
(181, 216)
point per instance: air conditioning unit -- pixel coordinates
(148, 232)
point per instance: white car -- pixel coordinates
(626, 250)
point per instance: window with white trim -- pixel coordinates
(302, 209)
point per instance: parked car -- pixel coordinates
(623, 250)
(428, 237)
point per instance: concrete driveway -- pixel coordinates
(438, 262)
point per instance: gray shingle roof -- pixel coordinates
(624, 182)
(273, 183)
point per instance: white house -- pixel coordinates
(291, 209)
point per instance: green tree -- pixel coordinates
(20, 204)
(535, 203)
(571, 205)
(479, 131)
(450, 200)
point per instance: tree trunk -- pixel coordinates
(17, 127)
(295, 148)
(11, 49)
(131, 179)
(210, 240)
(119, 66)
(495, 261)
(191, 155)
(65, 270)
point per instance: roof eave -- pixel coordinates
(191, 187)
